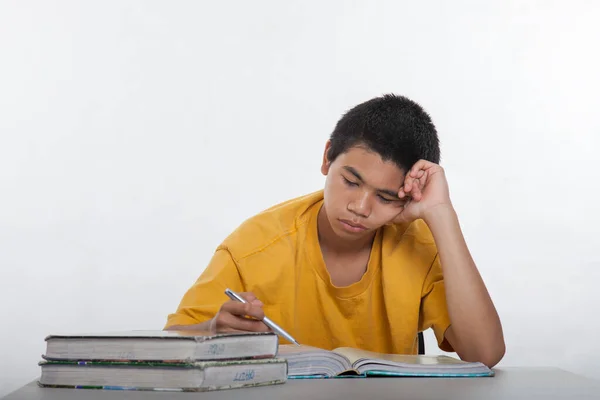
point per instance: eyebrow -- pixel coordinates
(391, 193)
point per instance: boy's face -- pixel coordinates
(361, 192)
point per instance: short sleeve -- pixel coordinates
(434, 310)
(204, 299)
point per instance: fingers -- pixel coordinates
(419, 185)
(244, 309)
(236, 316)
(226, 322)
(415, 181)
(414, 174)
(249, 297)
(420, 165)
(412, 187)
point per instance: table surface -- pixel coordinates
(509, 383)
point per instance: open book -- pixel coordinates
(312, 362)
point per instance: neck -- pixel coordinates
(329, 240)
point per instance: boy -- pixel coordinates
(368, 262)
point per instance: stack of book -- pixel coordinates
(162, 360)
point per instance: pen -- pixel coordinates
(276, 328)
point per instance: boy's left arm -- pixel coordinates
(475, 332)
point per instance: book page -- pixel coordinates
(308, 360)
(287, 349)
(354, 355)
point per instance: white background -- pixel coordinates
(135, 135)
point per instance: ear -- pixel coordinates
(326, 163)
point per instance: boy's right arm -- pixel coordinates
(206, 307)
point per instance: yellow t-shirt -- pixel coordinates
(276, 255)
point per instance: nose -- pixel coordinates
(361, 205)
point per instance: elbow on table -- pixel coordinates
(493, 354)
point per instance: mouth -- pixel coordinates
(352, 226)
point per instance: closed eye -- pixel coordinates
(349, 182)
(385, 200)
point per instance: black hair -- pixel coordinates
(395, 127)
